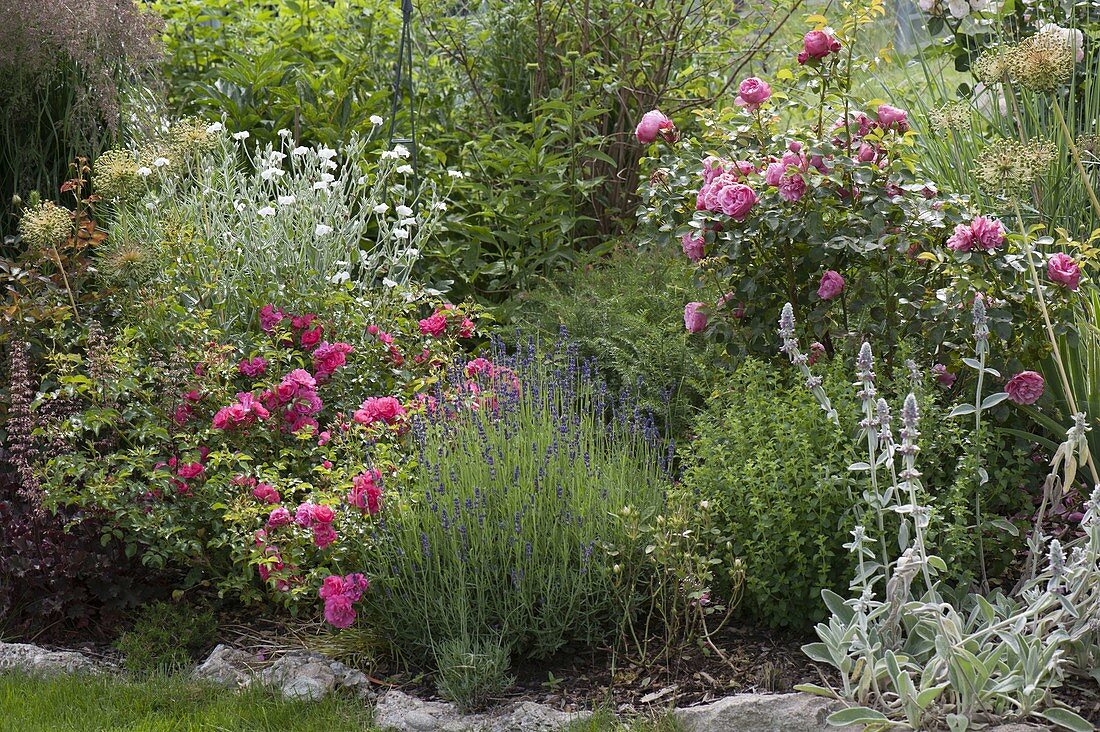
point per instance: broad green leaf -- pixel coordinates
(1066, 718)
(856, 715)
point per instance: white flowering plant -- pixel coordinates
(228, 227)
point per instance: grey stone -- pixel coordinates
(398, 711)
(312, 676)
(227, 666)
(761, 713)
(27, 658)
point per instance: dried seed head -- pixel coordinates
(953, 115)
(115, 176)
(1042, 62)
(46, 225)
(1007, 167)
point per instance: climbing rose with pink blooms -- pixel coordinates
(1064, 270)
(1025, 387)
(695, 318)
(832, 284)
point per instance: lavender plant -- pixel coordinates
(906, 655)
(502, 536)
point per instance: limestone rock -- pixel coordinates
(312, 676)
(761, 713)
(227, 666)
(398, 711)
(27, 658)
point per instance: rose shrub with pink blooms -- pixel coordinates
(800, 192)
(266, 458)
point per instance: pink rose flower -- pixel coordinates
(693, 246)
(301, 322)
(379, 409)
(1064, 270)
(278, 517)
(480, 366)
(655, 124)
(322, 514)
(774, 173)
(190, 470)
(328, 357)
(736, 201)
(817, 352)
(466, 328)
(695, 319)
(365, 493)
(893, 118)
(303, 515)
(339, 612)
(266, 493)
(819, 44)
(253, 366)
(1025, 387)
(832, 284)
(792, 187)
(752, 93)
(270, 317)
(987, 233)
(943, 376)
(962, 240)
(323, 535)
(312, 337)
(866, 153)
(434, 325)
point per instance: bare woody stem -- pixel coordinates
(1029, 256)
(1076, 155)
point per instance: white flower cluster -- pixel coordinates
(293, 214)
(957, 9)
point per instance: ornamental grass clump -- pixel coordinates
(502, 535)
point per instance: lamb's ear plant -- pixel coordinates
(908, 657)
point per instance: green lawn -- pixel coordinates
(92, 703)
(84, 703)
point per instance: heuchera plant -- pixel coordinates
(271, 458)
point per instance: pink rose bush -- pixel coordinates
(265, 438)
(767, 208)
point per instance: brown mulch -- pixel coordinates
(757, 661)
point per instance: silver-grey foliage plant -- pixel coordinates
(909, 658)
